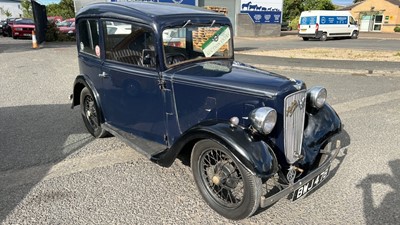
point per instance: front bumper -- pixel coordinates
(330, 155)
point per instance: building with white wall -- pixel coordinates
(13, 6)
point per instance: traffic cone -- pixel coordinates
(34, 41)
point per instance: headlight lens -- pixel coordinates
(263, 119)
(317, 96)
(18, 28)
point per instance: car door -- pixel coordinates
(132, 101)
(352, 25)
(308, 24)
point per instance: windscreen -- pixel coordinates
(196, 43)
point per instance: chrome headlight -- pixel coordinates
(263, 119)
(317, 96)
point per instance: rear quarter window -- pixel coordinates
(88, 36)
(308, 20)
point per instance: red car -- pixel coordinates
(22, 28)
(67, 26)
(70, 30)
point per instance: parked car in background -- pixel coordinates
(55, 19)
(22, 28)
(2, 24)
(7, 28)
(285, 26)
(66, 23)
(69, 30)
(252, 136)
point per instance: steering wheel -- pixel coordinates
(173, 58)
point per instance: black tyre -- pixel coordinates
(354, 35)
(226, 186)
(323, 37)
(90, 114)
(13, 36)
(305, 39)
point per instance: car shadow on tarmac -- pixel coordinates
(34, 138)
(387, 210)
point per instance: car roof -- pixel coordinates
(147, 12)
(145, 8)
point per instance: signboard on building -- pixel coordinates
(263, 11)
(186, 2)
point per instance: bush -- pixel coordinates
(397, 29)
(51, 32)
(294, 22)
(65, 37)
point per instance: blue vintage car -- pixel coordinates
(162, 77)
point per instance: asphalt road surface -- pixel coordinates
(53, 172)
(294, 42)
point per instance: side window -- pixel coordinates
(352, 21)
(126, 42)
(89, 37)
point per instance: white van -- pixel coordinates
(324, 24)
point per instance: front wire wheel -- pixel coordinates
(227, 187)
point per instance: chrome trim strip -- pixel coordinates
(265, 202)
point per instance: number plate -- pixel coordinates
(28, 35)
(307, 187)
(303, 30)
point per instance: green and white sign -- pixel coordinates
(214, 43)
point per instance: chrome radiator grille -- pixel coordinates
(294, 114)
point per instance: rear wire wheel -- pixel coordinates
(226, 186)
(90, 114)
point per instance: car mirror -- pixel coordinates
(148, 55)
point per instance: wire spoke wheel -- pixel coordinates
(226, 186)
(222, 176)
(90, 114)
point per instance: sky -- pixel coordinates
(337, 2)
(342, 2)
(46, 2)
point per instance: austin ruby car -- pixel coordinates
(252, 136)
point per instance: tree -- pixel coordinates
(26, 9)
(291, 9)
(65, 9)
(5, 12)
(318, 5)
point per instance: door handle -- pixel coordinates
(103, 75)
